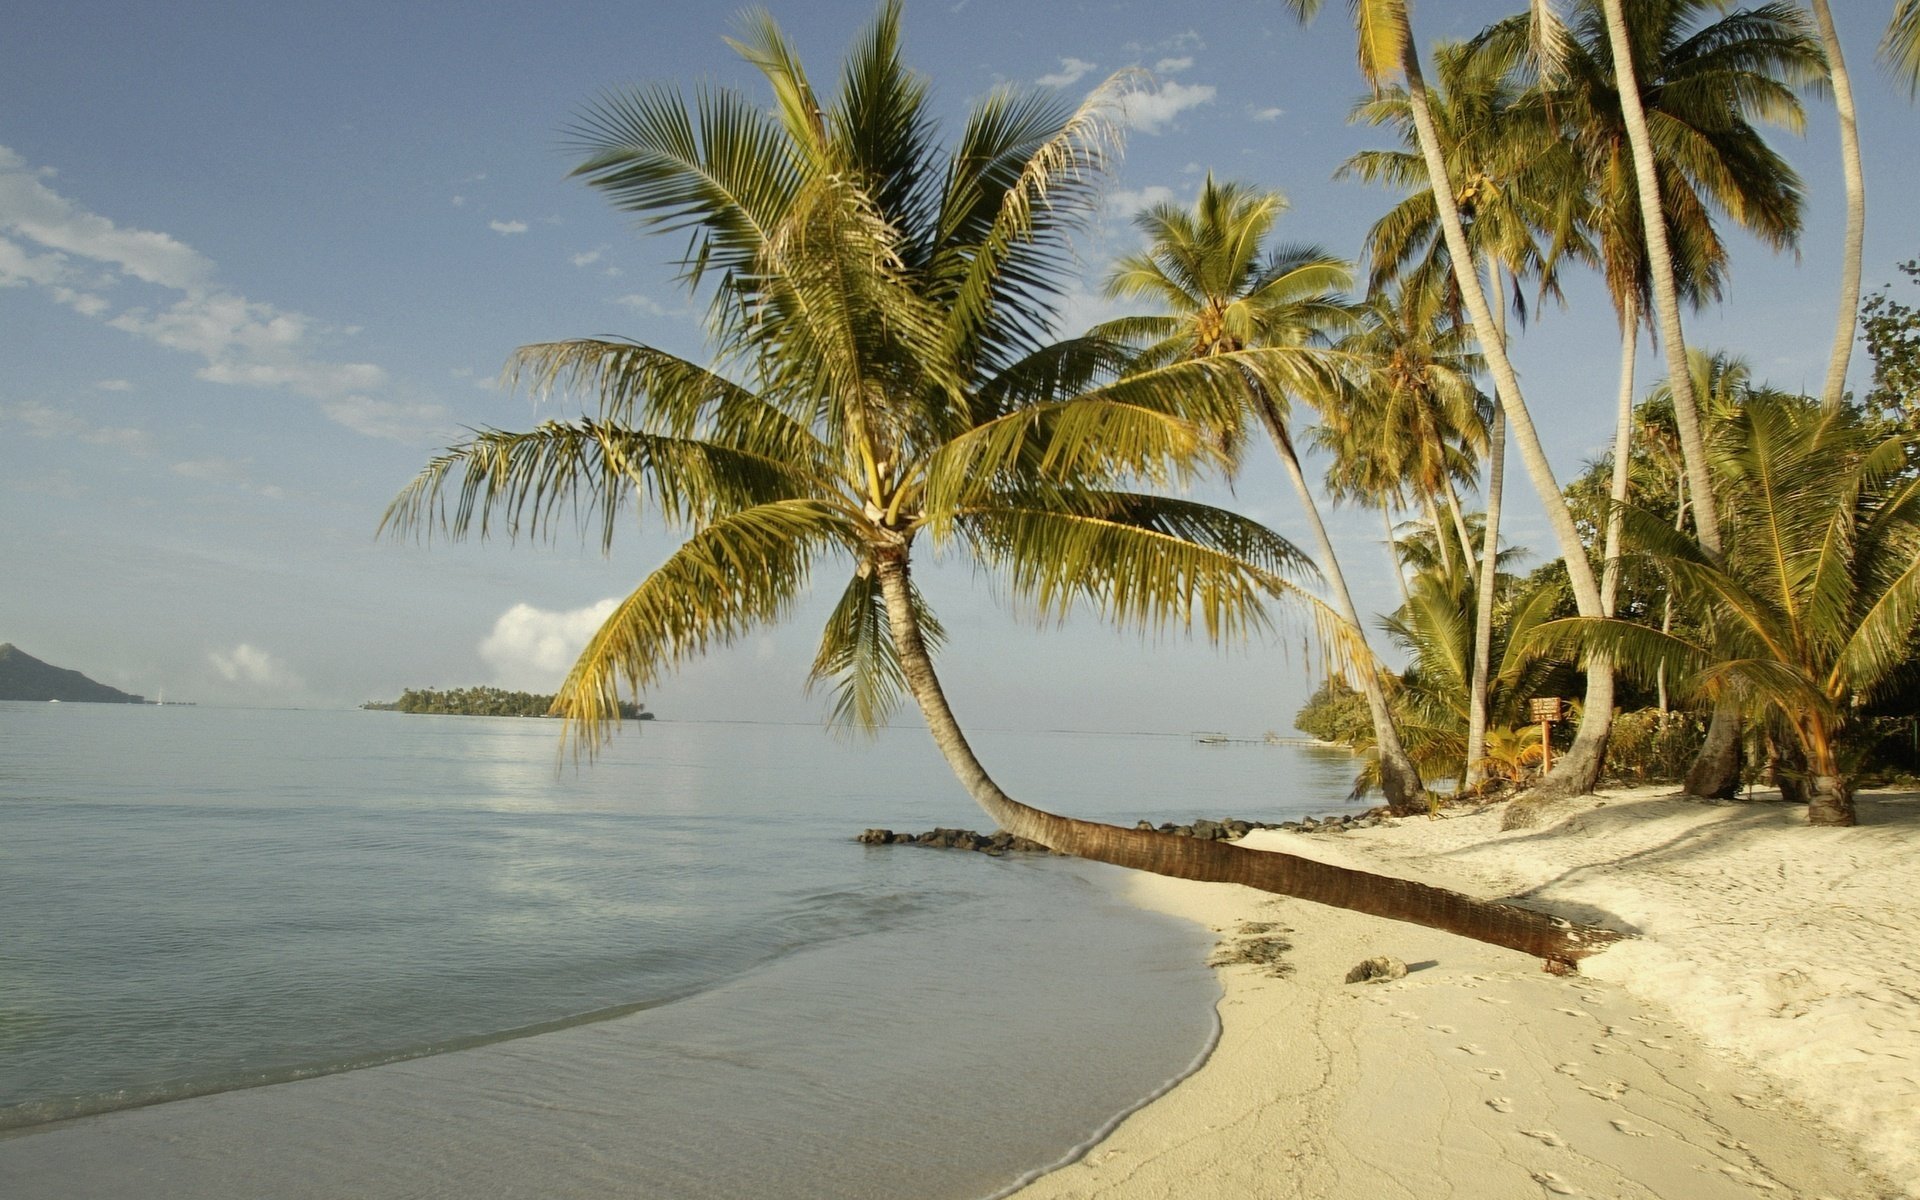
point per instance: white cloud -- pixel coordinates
(1072, 71)
(532, 648)
(252, 667)
(1123, 203)
(228, 473)
(1170, 66)
(589, 257)
(1273, 113)
(242, 342)
(645, 304)
(1152, 111)
(459, 201)
(114, 385)
(45, 421)
(34, 210)
(507, 227)
(397, 420)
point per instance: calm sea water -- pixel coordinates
(680, 938)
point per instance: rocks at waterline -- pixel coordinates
(1224, 830)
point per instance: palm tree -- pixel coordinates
(1386, 47)
(1223, 294)
(1833, 392)
(1814, 605)
(878, 313)
(1702, 86)
(1520, 204)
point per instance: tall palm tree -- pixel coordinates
(1520, 203)
(1814, 604)
(1681, 95)
(879, 311)
(1386, 48)
(1223, 292)
(1833, 391)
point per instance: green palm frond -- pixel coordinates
(1150, 562)
(590, 470)
(1900, 48)
(737, 573)
(857, 659)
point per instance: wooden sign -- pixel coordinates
(1546, 708)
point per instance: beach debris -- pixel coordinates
(1379, 969)
(1256, 943)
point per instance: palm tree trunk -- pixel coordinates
(1477, 700)
(1393, 554)
(1440, 540)
(1579, 770)
(1488, 921)
(1829, 791)
(1460, 531)
(1666, 301)
(1622, 457)
(1836, 386)
(1400, 782)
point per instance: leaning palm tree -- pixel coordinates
(1387, 48)
(1223, 293)
(1814, 605)
(883, 383)
(1833, 391)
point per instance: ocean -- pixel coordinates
(279, 952)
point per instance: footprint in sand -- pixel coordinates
(1501, 1104)
(1553, 1183)
(1494, 1000)
(1571, 1012)
(1568, 1068)
(1613, 1091)
(1492, 1072)
(1626, 1127)
(1547, 1136)
(1471, 1048)
(1443, 1028)
(1742, 1175)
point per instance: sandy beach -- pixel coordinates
(1760, 1036)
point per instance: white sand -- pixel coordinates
(1761, 1036)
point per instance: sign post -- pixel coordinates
(1546, 710)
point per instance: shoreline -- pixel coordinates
(1480, 1075)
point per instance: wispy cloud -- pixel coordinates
(115, 385)
(1271, 113)
(1153, 111)
(251, 666)
(1123, 203)
(1072, 71)
(1171, 66)
(587, 258)
(532, 648)
(78, 257)
(507, 227)
(45, 421)
(646, 304)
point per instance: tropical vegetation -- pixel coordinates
(485, 701)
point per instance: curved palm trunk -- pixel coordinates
(1460, 531)
(1666, 300)
(1477, 714)
(1440, 540)
(1579, 770)
(1216, 862)
(1835, 388)
(1393, 554)
(1622, 458)
(1400, 782)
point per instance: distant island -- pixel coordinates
(486, 702)
(24, 677)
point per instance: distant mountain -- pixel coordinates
(24, 677)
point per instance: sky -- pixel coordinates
(258, 262)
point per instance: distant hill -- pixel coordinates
(24, 677)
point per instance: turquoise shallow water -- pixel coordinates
(201, 901)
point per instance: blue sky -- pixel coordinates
(257, 261)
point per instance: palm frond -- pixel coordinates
(857, 659)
